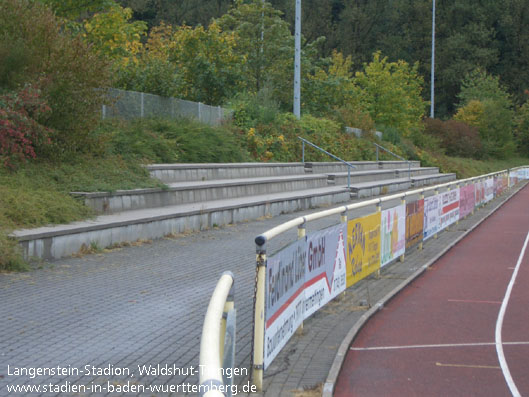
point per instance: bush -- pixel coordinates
(250, 110)
(522, 129)
(183, 140)
(65, 69)
(456, 137)
(20, 134)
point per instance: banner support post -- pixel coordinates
(259, 318)
(421, 197)
(302, 232)
(402, 202)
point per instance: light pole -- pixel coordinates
(297, 62)
(432, 74)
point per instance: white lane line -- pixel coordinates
(435, 346)
(499, 324)
(473, 301)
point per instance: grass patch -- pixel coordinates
(466, 168)
(37, 194)
(169, 141)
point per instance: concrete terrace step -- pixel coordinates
(376, 175)
(424, 180)
(220, 194)
(169, 173)
(376, 188)
(336, 166)
(200, 191)
(197, 191)
(106, 230)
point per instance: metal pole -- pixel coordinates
(432, 74)
(259, 320)
(297, 62)
(302, 151)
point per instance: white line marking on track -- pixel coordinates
(499, 324)
(468, 366)
(435, 346)
(473, 301)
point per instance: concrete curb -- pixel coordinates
(330, 382)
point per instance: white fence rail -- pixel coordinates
(302, 277)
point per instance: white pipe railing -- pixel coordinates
(300, 223)
(212, 354)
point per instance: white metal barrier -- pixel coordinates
(217, 344)
(506, 178)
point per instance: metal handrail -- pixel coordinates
(395, 155)
(300, 223)
(274, 232)
(303, 140)
(217, 344)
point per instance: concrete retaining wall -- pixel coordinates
(127, 200)
(61, 243)
(168, 173)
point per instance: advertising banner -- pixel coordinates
(432, 215)
(325, 274)
(467, 200)
(489, 189)
(363, 247)
(480, 192)
(414, 222)
(300, 279)
(449, 208)
(392, 234)
(498, 185)
(284, 297)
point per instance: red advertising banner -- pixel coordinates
(467, 200)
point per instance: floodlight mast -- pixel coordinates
(297, 62)
(432, 74)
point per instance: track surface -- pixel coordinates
(438, 336)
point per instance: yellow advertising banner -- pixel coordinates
(363, 247)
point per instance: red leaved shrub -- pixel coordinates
(456, 137)
(20, 132)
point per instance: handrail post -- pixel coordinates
(348, 177)
(436, 193)
(302, 151)
(302, 232)
(409, 170)
(377, 154)
(259, 318)
(403, 202)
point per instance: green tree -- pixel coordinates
(328, 88)
(76, 9)
(114, 35)
(267, 57)
(391, 93)
(522, 128)
(485, 104)
(64, 70)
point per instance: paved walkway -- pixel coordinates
(102, 317)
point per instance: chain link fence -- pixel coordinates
(129, 105)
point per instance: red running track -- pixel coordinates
(438, 336)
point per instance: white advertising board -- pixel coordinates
(392, 234)
(432, 215)
(449, 208)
